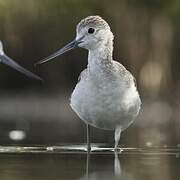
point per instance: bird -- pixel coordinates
(106, 94)
(9, 62)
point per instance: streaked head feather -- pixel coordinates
(93, 21)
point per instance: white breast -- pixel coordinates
(105, 104)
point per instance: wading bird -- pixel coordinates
(8, 61)
(106, 96)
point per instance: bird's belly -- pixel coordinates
(104, 108)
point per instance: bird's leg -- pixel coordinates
(88, 138)
(117, 136)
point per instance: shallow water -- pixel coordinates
(73, 162)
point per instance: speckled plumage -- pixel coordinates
(105, 96)
(93, 21)
(103, 99)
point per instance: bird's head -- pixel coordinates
(91, 33)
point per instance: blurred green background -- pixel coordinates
(146, 42)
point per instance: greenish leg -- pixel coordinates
(88, 138)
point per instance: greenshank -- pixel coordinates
(106, 96)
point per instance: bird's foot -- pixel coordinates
(118, 149)
(88, 149)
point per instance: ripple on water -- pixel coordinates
(96, 148)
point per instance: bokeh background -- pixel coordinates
(146, 41)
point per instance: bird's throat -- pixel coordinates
(100, 57)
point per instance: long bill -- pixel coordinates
(61, 51)
(8, 61)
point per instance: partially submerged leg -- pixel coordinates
(117, 136)
(88, 138)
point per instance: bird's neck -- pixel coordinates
(101, 56)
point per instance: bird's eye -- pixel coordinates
(91, 30)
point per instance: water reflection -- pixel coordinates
(116, 173)
(53, 165)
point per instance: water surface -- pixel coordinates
(74, 163)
